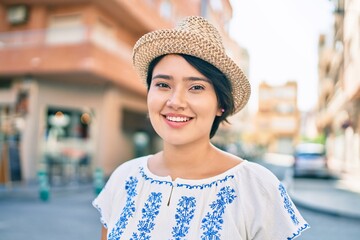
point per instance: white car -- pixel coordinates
(310, 160)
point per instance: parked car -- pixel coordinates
(310, 160)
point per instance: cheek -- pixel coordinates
(150, 103)
(153, 102)
(209, 105)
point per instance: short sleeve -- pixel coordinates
(103, 202)
(275, 215)
(287, 211)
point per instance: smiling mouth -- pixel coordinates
(178, 119)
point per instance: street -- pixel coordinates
(323, 226)
(69, 215)
(329, 227)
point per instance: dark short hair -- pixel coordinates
(221, 83)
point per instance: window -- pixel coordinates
(5, 83)
(67, 123)
(17, 14)
(65, 29)
(166, 9)
(216, 5)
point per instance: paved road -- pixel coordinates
(328, 227)
(68, 216)
(323, 226)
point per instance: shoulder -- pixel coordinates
(122, 173)
(258, 177)
(270, 212)
(131, 165)
(128, 168)
(258, 172)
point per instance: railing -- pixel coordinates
(63, 36)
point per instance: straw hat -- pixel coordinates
(193, 36)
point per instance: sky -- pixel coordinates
(281, 37)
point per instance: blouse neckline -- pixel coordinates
(179, 180)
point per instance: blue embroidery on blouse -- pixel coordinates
(188, 186)
(127, 212)
(211, 224)
(184, 214)
(147, 178)
(207, 185)
(149, 213)
(288, 204)
(300, 229)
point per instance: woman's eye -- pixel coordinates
(161, 85)
(197, 87)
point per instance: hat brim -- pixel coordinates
(175, 41)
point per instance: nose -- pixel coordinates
(177, 100)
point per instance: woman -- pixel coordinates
(191, 189)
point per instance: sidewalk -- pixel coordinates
(339, 197)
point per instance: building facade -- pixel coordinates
(278, 120)
(339, 88)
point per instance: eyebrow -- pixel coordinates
(167, 77)
(198, 79)
(163, 76)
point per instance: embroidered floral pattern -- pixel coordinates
(129, 209)
(208, 185)
(288, 204)
(211, 224)
(299, 231)
(184, 214)
(188, 186)
(147, 178)
(149, 213)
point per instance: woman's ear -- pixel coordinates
(220, 112)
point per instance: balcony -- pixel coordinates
(81, 54)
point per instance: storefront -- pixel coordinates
(70, 129)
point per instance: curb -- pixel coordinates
(324, 210)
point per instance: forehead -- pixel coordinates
(175, 64)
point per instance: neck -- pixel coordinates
(187, 160)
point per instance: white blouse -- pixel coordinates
(245, 202)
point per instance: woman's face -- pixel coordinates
(182, 102)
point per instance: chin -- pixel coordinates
(176, 141)
(180, 140)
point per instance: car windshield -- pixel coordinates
(309, 155)
(310, 150)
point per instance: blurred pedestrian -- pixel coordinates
(191, 189)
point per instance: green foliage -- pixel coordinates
(318, 139)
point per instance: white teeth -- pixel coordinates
(178, 119)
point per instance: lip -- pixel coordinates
(177, 120)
